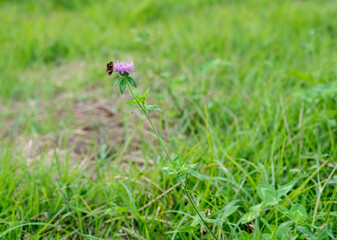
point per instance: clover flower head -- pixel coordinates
(123, 68)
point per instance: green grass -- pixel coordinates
(254, 82)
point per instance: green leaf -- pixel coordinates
(169, 169)
(286, 212)
(299, 212)
(196, 221)
(176, 162)
(283, 190)
(180, 177)
(334, 180)
(267, 236)
(322, 232)
(131, 81)
(141, 99)
(306, 232)
(253, 213)
(267, 193)
(244, 235)
(131, 102)
(229, 210)
(146, 92)
(117, 80)
(122, 85)
(196, 174)
(319, 233)
(193, 166)
(283, 233)
(214, 221)
(154, 108)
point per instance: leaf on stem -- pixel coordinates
(153, 108)
(146, 93)
(131, 102)
(283, 190)
(253, 213)
(267, 193)
(299, 212)
(122, 85)
(131, 81)
(285, 211)
(229, 209)
(283, 233)
(117, 80)
(334, 180)
(196, 174)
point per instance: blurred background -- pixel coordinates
(237, 53)
(255, 75)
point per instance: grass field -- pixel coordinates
(249, 92)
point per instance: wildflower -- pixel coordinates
(177, 167)
(123, 68)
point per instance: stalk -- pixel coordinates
(142, 107)
(197, 211)
(152, 125)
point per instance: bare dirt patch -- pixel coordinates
(96, 126)
(93, 124)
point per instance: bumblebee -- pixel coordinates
(110, 68)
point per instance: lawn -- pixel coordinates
(249, 96)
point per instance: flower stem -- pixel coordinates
(142, 107)
(196, 210)
(152, 125)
